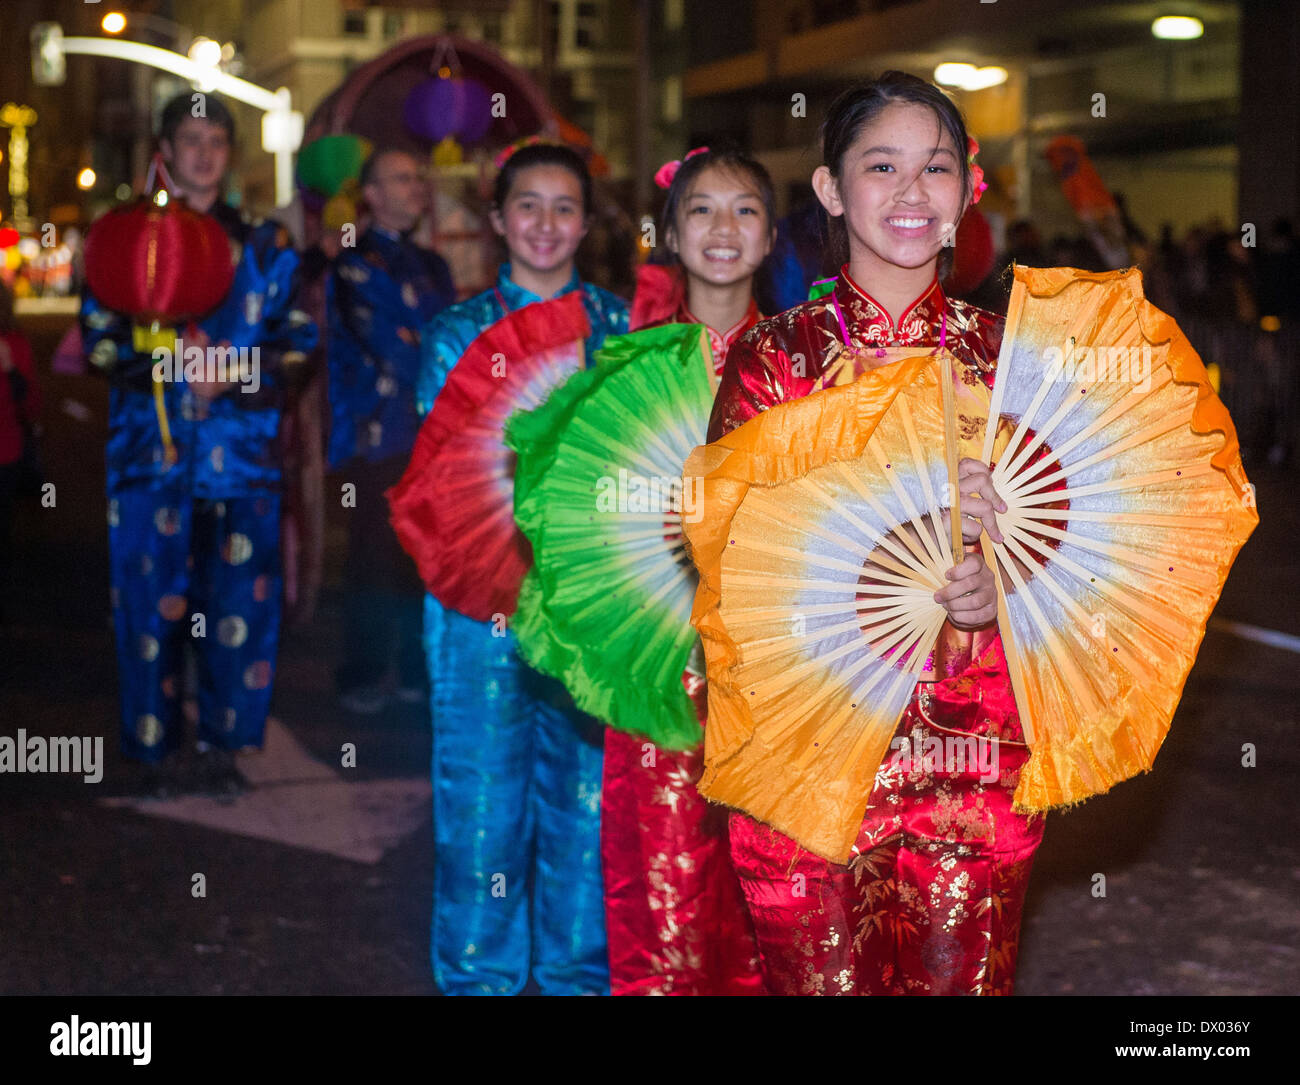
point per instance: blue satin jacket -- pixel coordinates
(379, 295)
(226, 447)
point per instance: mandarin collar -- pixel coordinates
(928, 305)
(752, 316)
(516, 297)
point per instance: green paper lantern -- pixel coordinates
(326, 164)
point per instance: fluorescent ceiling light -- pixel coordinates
(969, 77)
(1177, 27)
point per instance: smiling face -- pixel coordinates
(197, 155)
(899, 189)
(542, 220)
(722, 233)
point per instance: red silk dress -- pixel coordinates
(930, 901)
(674, 915)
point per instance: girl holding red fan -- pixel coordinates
(516, 767)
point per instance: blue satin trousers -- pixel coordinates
(516, 816)
(203, 571)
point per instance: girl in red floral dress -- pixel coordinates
(930, 901)
(674, 915)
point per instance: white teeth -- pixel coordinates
(908, 224)
(722, 254)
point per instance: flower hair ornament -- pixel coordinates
(976, 172)
(504, 157)
(665, 174)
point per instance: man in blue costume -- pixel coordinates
(381, 293)
(194, 523)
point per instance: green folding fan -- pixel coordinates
(599, 494)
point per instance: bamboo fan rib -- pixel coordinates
(1126, 507)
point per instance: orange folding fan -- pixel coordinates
(822, 543)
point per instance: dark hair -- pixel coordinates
(727, 158)
(181, 108)
(543, 154)
(376, 156)
(861, 104)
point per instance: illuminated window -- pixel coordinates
(588, 19)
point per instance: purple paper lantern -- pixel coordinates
(438, 108)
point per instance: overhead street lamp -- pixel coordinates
(282, 125)
(118, 22)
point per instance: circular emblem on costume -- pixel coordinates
(386, 386)
(232, 631)
(167, 521)
(228, 720)
(261, 589)
(114, 517)
(217, 457)
(237, 549)
(257, 675)
(409, 296)
(148, 647)
(148, 730)
(103, 354)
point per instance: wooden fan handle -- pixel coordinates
(950, 453)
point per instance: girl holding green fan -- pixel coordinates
(675, 918)
(607, 604)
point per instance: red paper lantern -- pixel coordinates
(166, 264)
(9, 237)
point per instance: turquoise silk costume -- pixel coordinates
(516, 767)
